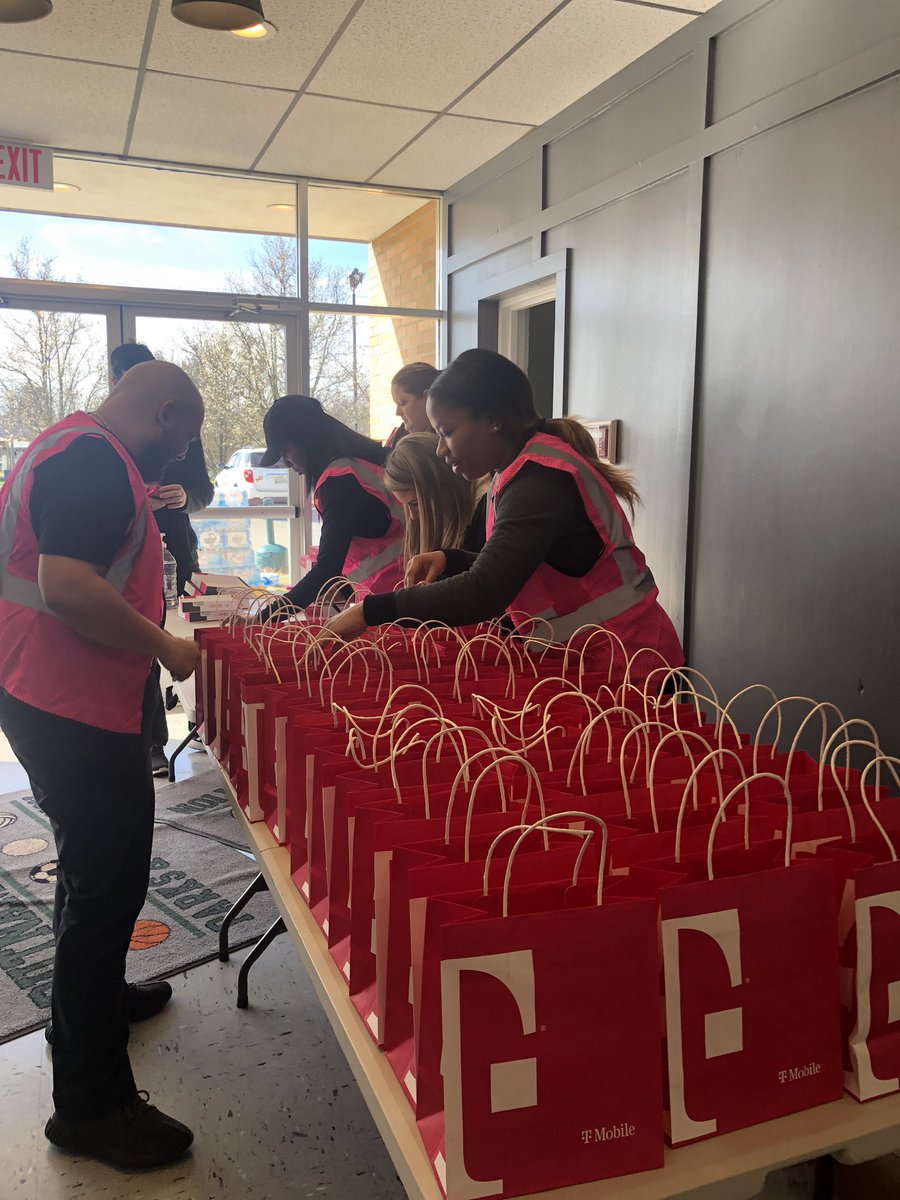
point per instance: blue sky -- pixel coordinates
(120, 253)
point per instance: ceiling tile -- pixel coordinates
(699, 6)
(108, 31)
(452, 148)
(404, 52)
(197, 120)
(340, 139)
(587, 43)
(283, 60)
(56, 102)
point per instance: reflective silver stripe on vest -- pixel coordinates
(600, 609)
(26, 592)
(635, 583)
(373, 563)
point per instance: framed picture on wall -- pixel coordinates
(605, 435)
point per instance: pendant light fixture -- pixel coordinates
(227, 15)
(13, 11)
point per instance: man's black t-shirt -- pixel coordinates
(81, 502)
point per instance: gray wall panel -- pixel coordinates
(500, 203)
(661, 112)
(629, 358)
(790, 507)
(797, 579)
(789, 40)
(464, 307)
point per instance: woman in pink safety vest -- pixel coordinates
(559, 555)
(362, 524)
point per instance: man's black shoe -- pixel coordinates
(159, 764)
(134, 1138)
(142, 1000)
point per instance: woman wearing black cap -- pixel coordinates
(560, 554)
(362, 523)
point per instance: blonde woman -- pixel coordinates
(440, 505)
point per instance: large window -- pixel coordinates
(205, 268)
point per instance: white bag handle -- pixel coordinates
(846, 746)
(776, 708)
(892, 763)
(691, 785)
(583, 744)
(400, 728)
(831, 750)
(359, 650)
(470, 811)
(744, 692)
(643, 728)
(462, 751)
(629, 670)
(820, 709)
(585, 834)
(682, 735)
(500, 756)
(594, 631)
(543, 825)
(466, 655)
(717, 820)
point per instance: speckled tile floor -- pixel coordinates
(274, 1108)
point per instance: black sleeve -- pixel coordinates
(81, 503)
(476, 533)
(534, 511)
(348, 511)
(191, 473)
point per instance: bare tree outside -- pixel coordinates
(52, 364)
(240, 368)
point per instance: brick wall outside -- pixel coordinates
(402, 274)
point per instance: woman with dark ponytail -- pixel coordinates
(559, 553)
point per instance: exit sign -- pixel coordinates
(26, 166)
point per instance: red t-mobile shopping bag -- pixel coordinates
(550, 1057)
(751, 991)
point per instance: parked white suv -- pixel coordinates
(244, 481)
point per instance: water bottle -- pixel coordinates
(170, 576)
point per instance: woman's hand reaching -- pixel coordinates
(426, 568)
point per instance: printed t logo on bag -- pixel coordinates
(608, 1133)
(792, 1074)
(724, 1030)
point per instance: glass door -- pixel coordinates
(251, 529)
(52, 363)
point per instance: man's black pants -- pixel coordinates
(97, 790)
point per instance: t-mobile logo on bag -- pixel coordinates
(724, 1030)
(513, 1084)
(863, 1080)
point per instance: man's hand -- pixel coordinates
(426, 568)
(173, 495)
(180, 656)
(349, 624)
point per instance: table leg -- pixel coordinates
(258, 885)
(261, 946)
(823, 1183)
(191, 737)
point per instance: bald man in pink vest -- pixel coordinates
(80, 613)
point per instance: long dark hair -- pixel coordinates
(488, 385)
(324, 438)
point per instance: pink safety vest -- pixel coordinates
(618, 592)
(372, 563)
(43, 662)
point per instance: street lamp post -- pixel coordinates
(355, 278)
